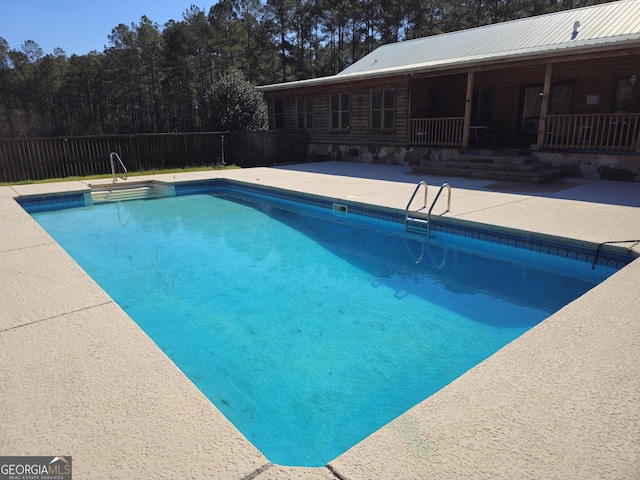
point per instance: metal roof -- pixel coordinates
(556, 33)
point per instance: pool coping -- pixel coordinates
(454, 433)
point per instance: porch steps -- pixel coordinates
(493, 166)
(121, 193)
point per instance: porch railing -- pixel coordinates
(608, 132)
(436, 132)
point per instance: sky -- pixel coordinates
(80, 26)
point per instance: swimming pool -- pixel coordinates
(308, 342)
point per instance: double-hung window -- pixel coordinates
(278, 114)
(305, 112)
(340, 104)
(383, 109)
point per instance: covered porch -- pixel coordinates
(590, 104)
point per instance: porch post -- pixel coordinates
(544, 110)
(467, 110)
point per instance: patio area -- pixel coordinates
(80, 378)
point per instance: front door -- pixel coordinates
(530, 108)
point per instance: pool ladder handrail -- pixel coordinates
(421, 220)
(426, 246)
(113, 168)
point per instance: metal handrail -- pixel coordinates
(435, 200)
(424, 204)
(433, 204)
(113, 168)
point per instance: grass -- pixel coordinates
(131, 174)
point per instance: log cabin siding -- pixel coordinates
(359, 132)
(433, 97)
(590, 75)
(594, 75)
(602, 80)
(434, 114)
(508, 84)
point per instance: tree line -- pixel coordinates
(159, 78)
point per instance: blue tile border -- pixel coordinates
(51, 202)
(199, 186)
(550, 247)
(286, 195)
(604, 257)
(546, 246)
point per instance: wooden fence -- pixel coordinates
(43, 158)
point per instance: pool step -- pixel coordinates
(122, 193)
(416, 225)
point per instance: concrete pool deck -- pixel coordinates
(79, 378)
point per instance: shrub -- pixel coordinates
(235, 105)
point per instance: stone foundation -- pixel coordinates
(384, 155)
(606, 166)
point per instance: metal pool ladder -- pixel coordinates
(422, 224)
(113, 155)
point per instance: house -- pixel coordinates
(563, 86)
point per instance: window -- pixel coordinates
(305, 112)
(623, 96)
(340, 115)
(278, 114)
(561, 99)
(531, 108)
(482, 106)
(560, 103)
(383, 109)
(433, 104)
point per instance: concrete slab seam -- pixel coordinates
(56, 316)
(13, 250)
(335, 472)
(258, 471)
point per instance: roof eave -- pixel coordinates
(563, 50)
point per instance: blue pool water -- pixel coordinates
(308, 332)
